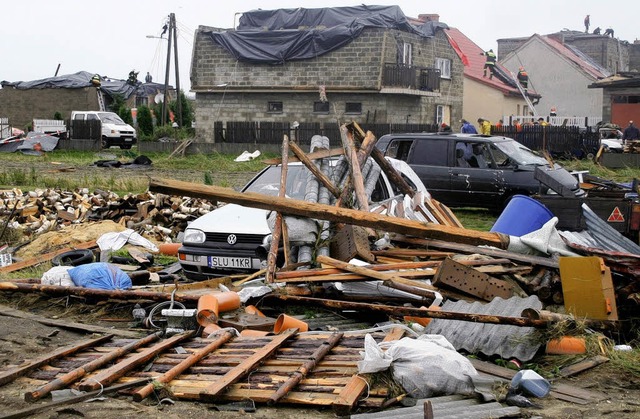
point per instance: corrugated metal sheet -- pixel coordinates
(607, 237)
(489, 339)
(448, 407)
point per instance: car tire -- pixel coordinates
(73, 258)
(105, 142)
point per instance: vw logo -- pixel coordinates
(232, 239)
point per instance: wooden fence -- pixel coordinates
(559, 141)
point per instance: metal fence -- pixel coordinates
(559, 141)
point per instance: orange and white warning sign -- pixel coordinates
(616, 216)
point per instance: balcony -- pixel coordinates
(411, 77)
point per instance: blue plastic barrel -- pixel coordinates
(522, 215)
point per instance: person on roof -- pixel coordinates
(133, 77)
(631, 133)
(148, 78)
(485, 126)
(489, 63)
(608, 32)
(467, 128)
(523, 78)
(587, 21)
(96, 80)
(596, 31)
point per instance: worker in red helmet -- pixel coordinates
(523, 78)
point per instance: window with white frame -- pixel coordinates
(444, 65)
(407, 58)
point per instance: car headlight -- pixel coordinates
(193, 236)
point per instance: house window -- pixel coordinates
(407, 58)
(353, 108)
(443, 114)
(444, 65)
(275, 107)
(320, 107)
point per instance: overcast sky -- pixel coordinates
(109, 37)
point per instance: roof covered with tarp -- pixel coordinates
(278, 36)
(82, 79)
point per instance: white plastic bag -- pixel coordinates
(424, 367)
(58, 275)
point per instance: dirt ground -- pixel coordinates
(27, 339)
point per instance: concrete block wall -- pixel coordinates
(604, 50)
(22, 106)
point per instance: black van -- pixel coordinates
(468, 170)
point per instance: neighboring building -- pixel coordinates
(370, 64)
(560, 73)
(21, 102)
(621, 98)
(486, 98)
(634, 56)
(609, 53)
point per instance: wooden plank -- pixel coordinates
(351, 392)
(77, 373)
(182, 366)
(111, 374)
(211, 392)
(320, 154)
(306, 367)
(331, 213)
(45, 257)
(65, 324)
(322, 178)
(583, 365)
(28, 366)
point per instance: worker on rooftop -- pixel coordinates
(490, 63)
(587, 22)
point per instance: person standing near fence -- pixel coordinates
(485, 126)
(468, 128)
(631, 133)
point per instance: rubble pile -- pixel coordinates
(436, 290)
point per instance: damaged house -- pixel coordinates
(23, 101)
(366, 63)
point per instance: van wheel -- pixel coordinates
(105, 142)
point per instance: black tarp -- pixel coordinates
(277, 36)
(83, 79)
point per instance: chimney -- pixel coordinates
(431, 17)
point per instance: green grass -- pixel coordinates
(475, 218)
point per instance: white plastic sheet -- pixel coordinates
(115, 240)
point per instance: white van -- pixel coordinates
(115, 132)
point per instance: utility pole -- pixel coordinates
(175, 50)
(166, 74)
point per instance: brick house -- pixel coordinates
(390, 69)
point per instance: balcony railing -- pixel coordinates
(411, 77)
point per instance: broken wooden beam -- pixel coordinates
(185, 364)
(236, 373)
(119, 369)
(277, 230)
(77, 373)
(322, 178)
(417, 312)
(128, 294)
(25, 368)
(357, 179)
(328, 212)
(302, 371)
(45, 257)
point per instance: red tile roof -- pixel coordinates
(473, 61)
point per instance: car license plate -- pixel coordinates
(229, 262)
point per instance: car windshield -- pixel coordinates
(520, 154)
(110, 118)
(268, 182)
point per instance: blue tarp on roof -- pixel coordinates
(278, 36)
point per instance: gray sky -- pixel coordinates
(109, 37)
